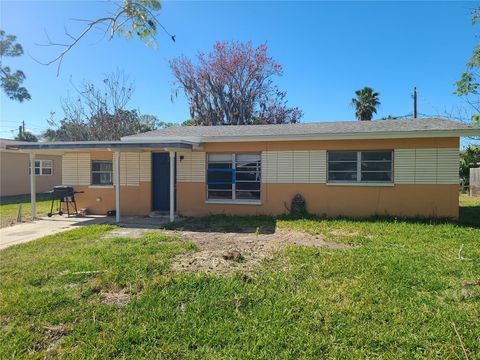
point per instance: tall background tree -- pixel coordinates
(468, 85)
(25, 135)
(469, 158)
(365, 103)
(233, 85)
(99, 112)
(11, 81)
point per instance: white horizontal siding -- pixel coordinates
(134, 168)
(76, 169)
(191, 166)
(130, 171)
(411, 166)
(318, 166)
(69, 169)
(297, 167)
(404, 166)
(447, 166)
(426, 166)
(285, 167)
(269, 166)
(301, 167)
(145, 160)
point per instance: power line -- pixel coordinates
(9, 121)
(18, 123)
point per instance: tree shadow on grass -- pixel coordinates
(20, 199)
(225, 223)
(469, 217)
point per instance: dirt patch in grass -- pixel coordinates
(119, 298)
(5, 320)
(344, 232)
(53, 334)
(249, 249)
(132, 233)
(224, 252)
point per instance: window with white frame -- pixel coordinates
(234, 177)
(360, 166)
(102, 172)
(42, 167)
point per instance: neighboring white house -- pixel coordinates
(14, 170)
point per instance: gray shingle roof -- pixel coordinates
(5, 142)
(320, 128)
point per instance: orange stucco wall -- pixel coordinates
(134, 200)
(330, 200)
(425, 200)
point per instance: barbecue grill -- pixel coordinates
(63, 194)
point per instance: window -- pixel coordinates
(360, 166)
(376, 166)
(234, 177)
(42, 167)
(101, 172)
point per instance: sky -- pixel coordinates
(327, 50)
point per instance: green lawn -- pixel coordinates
(9, 208)
(396, 294)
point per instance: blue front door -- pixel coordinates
(160, 182)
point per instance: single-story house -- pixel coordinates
(15, 167)
(405, 168)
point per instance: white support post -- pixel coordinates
(117, 185)
(33, 188)
(172, 186)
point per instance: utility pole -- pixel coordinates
(414, 102)
(21, 130)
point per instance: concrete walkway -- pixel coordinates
(29, 231)
(44, 226)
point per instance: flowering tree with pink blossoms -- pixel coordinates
(232, 85)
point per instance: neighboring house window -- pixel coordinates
(102, 172)
(234, 176)
(360, 166)
(42, 167)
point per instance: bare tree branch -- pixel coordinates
(131, 17)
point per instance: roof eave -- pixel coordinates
(104, 145)
(335, 136)
(194, 140)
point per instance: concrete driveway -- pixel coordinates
(26, 232)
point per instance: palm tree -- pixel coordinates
(365, 103)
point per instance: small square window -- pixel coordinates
(102, 171)
(42, 167)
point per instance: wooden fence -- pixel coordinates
(474, 181)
